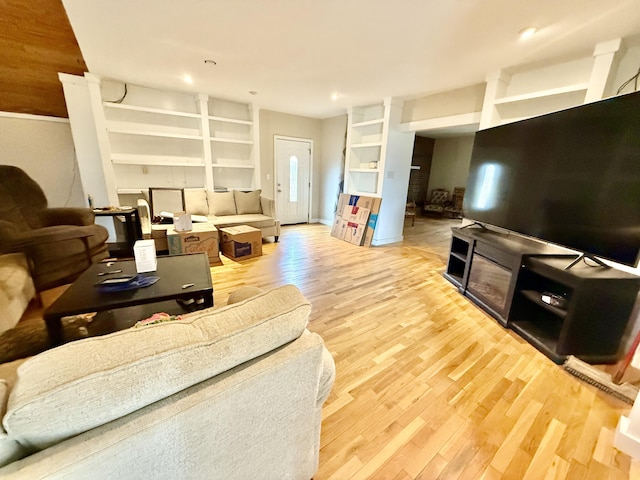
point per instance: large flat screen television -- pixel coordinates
(570, 178)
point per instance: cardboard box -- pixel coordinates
(355, 214)
(241, 242)
(339, 228)
(354, 232)
(345, 212)
(159, 236)
(203, 237)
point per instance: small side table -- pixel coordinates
(132, 229)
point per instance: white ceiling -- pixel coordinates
(296, 53)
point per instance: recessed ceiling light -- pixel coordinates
(335, 96)
(527, 33)
(210, 62)
(187, 79)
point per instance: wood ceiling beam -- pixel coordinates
(36, 42)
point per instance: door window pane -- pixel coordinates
(293, 178)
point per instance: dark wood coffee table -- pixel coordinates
(119, 310)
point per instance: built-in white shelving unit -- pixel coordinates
(155, 138)
(377, 163)
(366, 144)
(517, 94)
(584, 82)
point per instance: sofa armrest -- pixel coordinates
(67, 216)
(327, 377)
(8, 232)
(268, 207)
(49, 235)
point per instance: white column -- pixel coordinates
(395, 168)
(627, 436)
(255, 136)
(85, 139)
(603, 53)
(496, 88)
(104, 147)
(205, 131)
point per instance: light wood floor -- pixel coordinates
(428, 386)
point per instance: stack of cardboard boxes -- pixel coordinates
(237, 243)
(202, 237)
(356, 219)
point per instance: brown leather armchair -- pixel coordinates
(60, 243)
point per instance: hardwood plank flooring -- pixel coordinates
(428, 386)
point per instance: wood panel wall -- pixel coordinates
(36, 42)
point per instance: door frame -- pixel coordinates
(277, 137)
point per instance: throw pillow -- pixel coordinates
(195, 201)
(243, 293)
(248, 202)
(221, 203)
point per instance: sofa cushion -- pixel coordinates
(253, 220)
(248, 202)
(195, 201)
(221, 203)
(81, 385)
(10, 450)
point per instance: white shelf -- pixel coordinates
(447, 126)
(131, 191)
(232, 140)
(231, 165)
(169, 161)
(364, 193)
(364, 170)
(163, 138)
(366, 145)
(160, 111)
(133, 131)
(581, 87)
(368, 122)
(231, 120)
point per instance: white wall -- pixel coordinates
(450, 164)
(277, 123)
(43, 147)
(331, 166)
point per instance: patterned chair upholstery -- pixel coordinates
(410, 212)
(454, 209)
(437, 202)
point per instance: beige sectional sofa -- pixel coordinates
(16, 289)
(228, 209)
(221, 209)
(232, 392)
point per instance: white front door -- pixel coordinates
(293, 181)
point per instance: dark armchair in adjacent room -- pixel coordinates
(60, 243)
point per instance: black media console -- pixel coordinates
(523, 284)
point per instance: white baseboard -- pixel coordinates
(385, 241)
